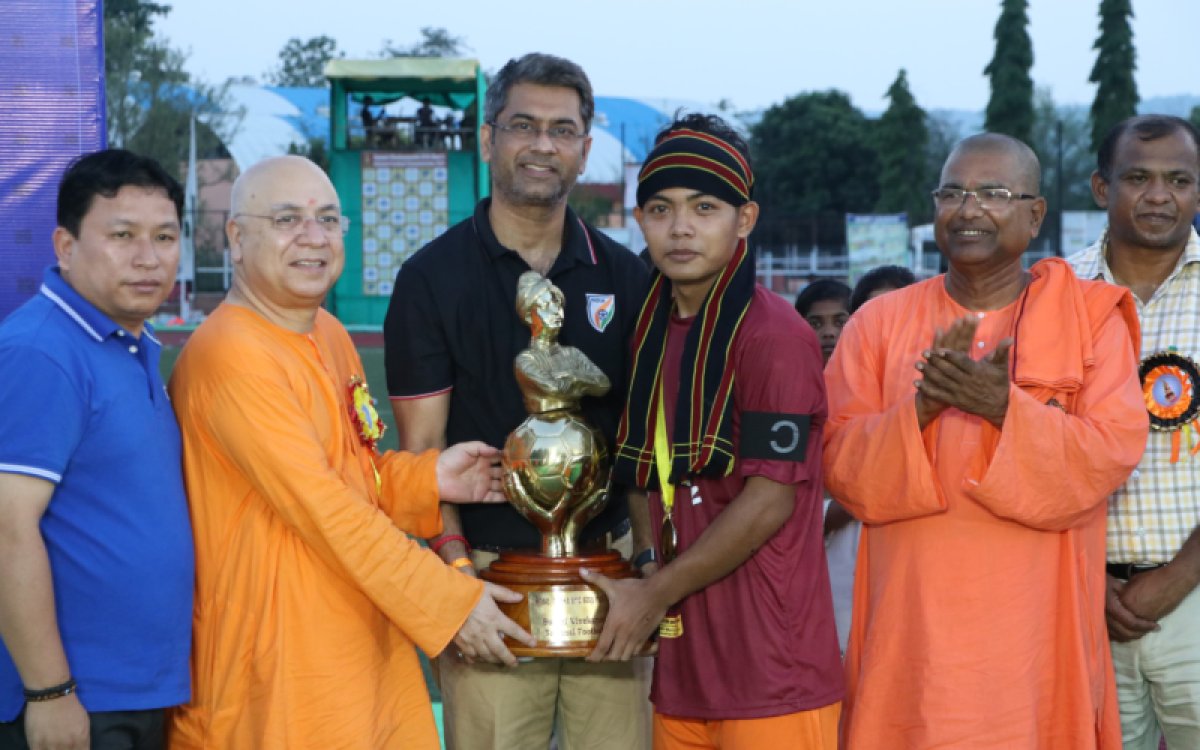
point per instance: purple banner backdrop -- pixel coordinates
(51, 110)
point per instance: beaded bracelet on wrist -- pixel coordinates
(50, 693)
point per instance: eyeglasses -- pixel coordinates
(527, 132)
(987, 198)
(291, 222)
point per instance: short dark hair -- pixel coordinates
(883, 277)
(542, 70)
(1144, 128)
(822, 290)
(711, 124)
(105, 173)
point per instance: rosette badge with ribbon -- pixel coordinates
(363, 414)
(1169, 389)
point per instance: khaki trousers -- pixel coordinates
(587, 706)
(1158, 682)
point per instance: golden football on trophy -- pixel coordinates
(556, 476)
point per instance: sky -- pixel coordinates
(751, 53)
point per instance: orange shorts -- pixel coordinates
(803, 730)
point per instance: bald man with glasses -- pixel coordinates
(978, 422)
(310, 595)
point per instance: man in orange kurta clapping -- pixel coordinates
(309, 595)
(978, 422)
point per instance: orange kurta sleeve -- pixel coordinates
(876, 460)
(409, 493)
(269, 438)
(1075, 460)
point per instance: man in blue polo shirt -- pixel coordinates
(95, 544)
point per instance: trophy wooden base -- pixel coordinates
(562, 611)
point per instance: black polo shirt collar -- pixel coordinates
(577, 248)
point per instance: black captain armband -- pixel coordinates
(774, 437)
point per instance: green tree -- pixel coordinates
(1010, 107)
(943, 134)
(313, 149)
(591, 205)
(815, 162)
(1078, 160)
(1061, 136)
(302, 62)
(131, 52)
(814, 152)
(901, 138)
(435, 42)
(1116, 91)
(1194, 116)
(150, 96)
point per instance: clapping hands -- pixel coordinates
(950, 378)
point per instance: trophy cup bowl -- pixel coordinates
(553, 465)
(556, 475)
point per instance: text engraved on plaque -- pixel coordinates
(566, 614)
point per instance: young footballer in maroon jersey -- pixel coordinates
(726, 401)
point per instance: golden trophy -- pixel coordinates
(556, 475)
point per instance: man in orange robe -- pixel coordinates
(981, 477)
(309, 594)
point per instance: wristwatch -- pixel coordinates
(644, 557)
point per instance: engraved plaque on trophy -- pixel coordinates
(556, 475)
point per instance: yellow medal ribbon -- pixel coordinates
(668, 538)
(671, 625)
(662, 454)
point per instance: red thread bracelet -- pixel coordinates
(437, 544)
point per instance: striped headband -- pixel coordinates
(704, 162)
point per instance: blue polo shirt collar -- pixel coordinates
(86, 315)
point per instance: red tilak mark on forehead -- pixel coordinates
(312, 201)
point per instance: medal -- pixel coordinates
(668, 539)
(1169, 390)
(668, 535)
(671, 627)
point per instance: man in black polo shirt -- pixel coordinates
(452, 333)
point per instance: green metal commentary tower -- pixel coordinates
(403, 177)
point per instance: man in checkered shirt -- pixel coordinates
(1147, 176)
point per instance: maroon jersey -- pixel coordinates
(761, 641)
